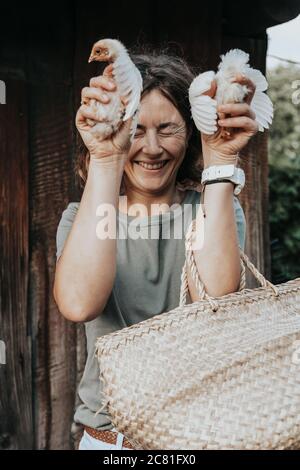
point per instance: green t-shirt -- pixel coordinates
(147, 283)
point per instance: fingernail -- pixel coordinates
(105, 97)
(111, 84)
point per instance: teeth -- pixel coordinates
(153, 166)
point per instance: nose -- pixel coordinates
(151, 143)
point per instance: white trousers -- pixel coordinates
(88, 442)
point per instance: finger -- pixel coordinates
(86, 112)
(81, 121)
(243, 80)
(93, 93)
(125, 127)
(236, 109)
(243, 122)
(124, 100)
(108, 71)
(221, 115)
(124, 133)
(102, 82)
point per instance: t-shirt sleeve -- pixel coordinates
(64, 227)
(240, 222)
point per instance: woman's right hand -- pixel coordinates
(118, 143)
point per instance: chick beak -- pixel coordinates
(92, 57)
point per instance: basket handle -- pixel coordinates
(190, 261)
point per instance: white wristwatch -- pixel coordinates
(225, 172)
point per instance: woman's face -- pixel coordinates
(161, 139)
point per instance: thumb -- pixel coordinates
(213, 88)
(126, 126)
(124, 136)
(107, 72)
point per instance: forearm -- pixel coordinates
(86, 270)
(218, 260)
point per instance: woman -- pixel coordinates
(113, 282)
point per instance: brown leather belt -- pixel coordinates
(107, 436)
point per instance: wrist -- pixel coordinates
(115, 161)
(217, 158)
(116, 158)
(110, 165)
(213, 157)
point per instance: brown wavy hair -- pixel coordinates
(172, 76)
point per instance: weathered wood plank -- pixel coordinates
(199, 35)
(50, 71)
(54, 339)
(16, 425)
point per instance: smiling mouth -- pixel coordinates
(152, 166)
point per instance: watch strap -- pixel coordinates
(219, 181)
(218, 171)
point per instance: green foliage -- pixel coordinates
(284, 216)
(284, 91)
(284, 172)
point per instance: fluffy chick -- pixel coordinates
(204, 107)
(125, 100)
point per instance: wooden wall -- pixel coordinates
(43, 60)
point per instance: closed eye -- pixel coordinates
(138, 133)
(166, 134)
(165, 129)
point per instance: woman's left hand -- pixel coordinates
(241, 123)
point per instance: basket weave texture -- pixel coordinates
(220, 373)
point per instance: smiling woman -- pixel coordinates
(157, 152)
(116, 281)
(169, 77)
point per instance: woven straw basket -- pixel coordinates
(220, 373)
